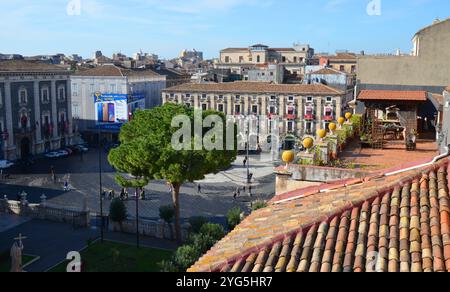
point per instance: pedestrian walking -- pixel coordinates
(53, 175)
(238, 192)
(245, 161)
(235, 195)
(66, 186)
(199, 189)
(143, 194)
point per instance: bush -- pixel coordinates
(259, 205)
(185, 257)
(234, 218)
(202, 242)
(215, 231)
(167, 213)
(197, 223)
(118, 211)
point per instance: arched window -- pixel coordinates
(258, 59)
(23, 95)
(24, 121)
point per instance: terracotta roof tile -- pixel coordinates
(110, 70)
(21, 66)
(394, 95)
(401, 226)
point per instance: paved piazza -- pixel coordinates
(214, 201)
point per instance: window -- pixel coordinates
(238, 97)
(272, 110)
(258, 59)
(329, 99)
(188, 104)
(271, 73)
(291, 110)
(273, 98)
(227, 59)
(220, 97)
(1, 127)
(283, 59)
(342, 68)
(220, 108)
(237, 109)
(241, 59)
(112, 88)
(309, 99)
(45, 96)
(61, 93)
(76, 110)
(204, 96)
(75, 89)
(204, 106)
(353, 69)
(23, 96)
(295, 59)
(290, 126)
(290, 98)
(254, 109)
(172, 95)
(188, 95)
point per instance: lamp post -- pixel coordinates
(101, 183)
(249, 179)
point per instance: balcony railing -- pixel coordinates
(328, 118)
(310, 117)
(291, 116)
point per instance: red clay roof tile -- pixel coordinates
(394, 95)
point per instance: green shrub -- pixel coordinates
(202, 242)
(185, 257)
(259, 205)
(215, 231)
(197, 223)
(118, 211)
(234, 218)
(167, 213)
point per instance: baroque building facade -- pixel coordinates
(35, 112)
(297, 110)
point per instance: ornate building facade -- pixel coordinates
(298, 110)
(35, 111)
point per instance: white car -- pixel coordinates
(62, 153)
(5, 164)
(52, 155)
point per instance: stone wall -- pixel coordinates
(302, 176)
(77, 218)
(158, 229)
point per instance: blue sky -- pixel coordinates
(165, 27)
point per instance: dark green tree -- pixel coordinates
(118, 212)
(146, 152)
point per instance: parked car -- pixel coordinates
(5, 164)
(52, 155)
(62, 153)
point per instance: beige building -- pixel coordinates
(299, 109)
(427, 68)
(237, 59)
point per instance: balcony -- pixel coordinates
(291, 116)
(328, 118)
(310, 117)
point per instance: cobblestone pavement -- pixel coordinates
(214, 201)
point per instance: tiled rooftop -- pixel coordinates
(392, 224)
(22, 66)
(395, 95)
(255, 87)
(115, 71)
(328, 71)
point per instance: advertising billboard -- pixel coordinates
(113, 110)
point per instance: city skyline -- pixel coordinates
(167, 27)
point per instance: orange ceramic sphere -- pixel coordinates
(308, 143)
(288, 156)
(321, 133)
(348, 116)
(332, 126)
(341, 121)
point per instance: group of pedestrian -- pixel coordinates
(124, 195)
(237, 192)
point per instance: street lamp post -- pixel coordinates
(249, 181)
(101, 184)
